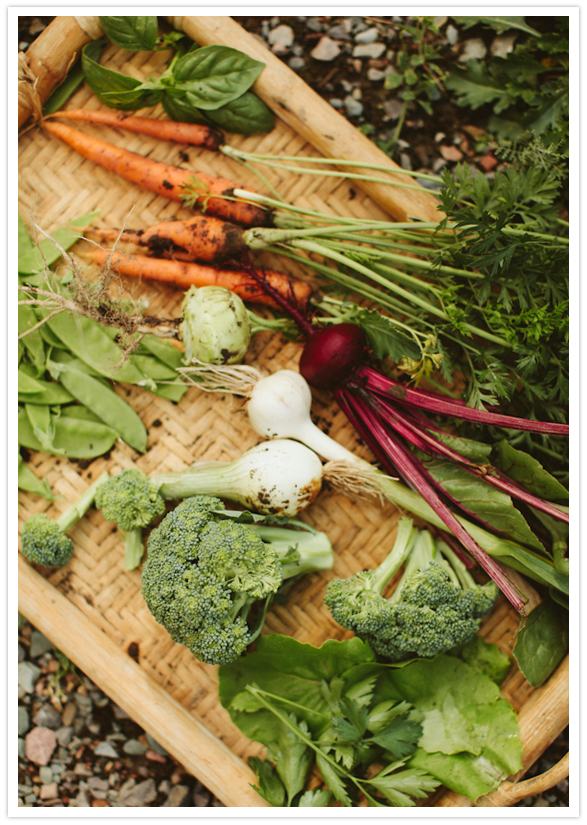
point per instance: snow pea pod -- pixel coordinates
(154, 368)
(29, 482)
(79, 411)
(106, 404)
(39, 416)
(89, 342)
(51, 394)
(27, 385)
(171, 392)
(33, 343)
(77, 438)
(163, 350)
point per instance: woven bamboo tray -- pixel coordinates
(92, 609)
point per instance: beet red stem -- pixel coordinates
(374, 433)
(387, 387)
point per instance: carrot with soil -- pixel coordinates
(183, 275)
(190, 134)
(214, 195)
(201, 238)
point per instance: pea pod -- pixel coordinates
(29, 482)
(88, 341)
(51, 394)
(154, 368)
(39, 416)
(163, 350)
(27, 385)
(77, 438)
(171, 392)
(106, 404)
(79, 411)
(33, 343)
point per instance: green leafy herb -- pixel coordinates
(352, 712)
(542, 642)
(134, 33)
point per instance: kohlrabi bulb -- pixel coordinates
(215, 326)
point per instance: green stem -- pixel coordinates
(310, 246)
(520, 233)
(400, 123)
(133, 548)
(237, 153)
(80, 507)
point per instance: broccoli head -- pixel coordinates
(205, 572)
(45, 541)
(436, 606)
(132, 501)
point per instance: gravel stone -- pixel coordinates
(28, 674)
(21, 748)
(164, 786)
(353, 108)
(393, 109)
(49, 791)
(23, 720)
(48, 717)
(314, 25)
(503, 45)
(84, 703)
(368, 36)
(474, 48)
(374, 75)
(296, 63)
(64, 735)
(46, 775)
(370, 50)
(338, 32)
(134, 748)
(105, 749)
(95, 783)
(139, 795)
(336, 103)
(452, 35)
(325, 50)
(68, 714)
(40, 744)
(39, 644)
(178, 797)
(21, 653)
(156, 746)
(281, 39)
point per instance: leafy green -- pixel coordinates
(487, 658)
(528, 471)
(542, 642)
(499, 24)
(204, 85)
(134, 33)
(352, 711)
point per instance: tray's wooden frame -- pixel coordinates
(542, 717)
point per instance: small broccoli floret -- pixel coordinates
(205, 572)
(132, 501)
(45, 540)
(436, 606)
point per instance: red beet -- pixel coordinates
(332, 354)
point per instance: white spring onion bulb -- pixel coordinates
(278, 478)
(279, 407)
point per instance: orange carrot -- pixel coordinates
(184, 275)
(201, 238)
(191, 134)
(163, 178)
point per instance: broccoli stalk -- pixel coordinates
(132, 501)
(45, 541)
(210, 579)
(436, 606)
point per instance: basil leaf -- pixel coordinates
(133, 33)
(113, 88)
(247, 115)
(180, 107)
(215, 75)
(542, 642)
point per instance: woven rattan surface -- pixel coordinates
(56, 185)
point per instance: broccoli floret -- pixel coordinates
(436, 606)
(45, 541)
(205, 572)
(132, 501)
